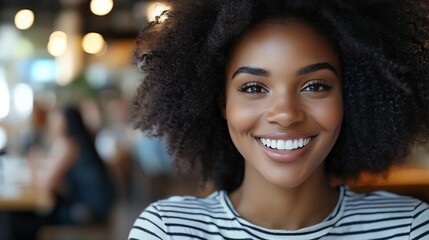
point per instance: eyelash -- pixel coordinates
(247, 88)
(311, 86)
(319, 84)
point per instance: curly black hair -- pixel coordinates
(383, 46)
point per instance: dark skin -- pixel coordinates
(284, 86)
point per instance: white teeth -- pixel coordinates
(281, 144)
(273, 144)
(290, 144)
(295, 143)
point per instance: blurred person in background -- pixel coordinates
(73, 173)
(91, 114)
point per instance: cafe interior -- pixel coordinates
(61, 58)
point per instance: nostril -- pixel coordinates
(286, 117)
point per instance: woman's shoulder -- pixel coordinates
(154, 222)
(387, 209)
(380, 198)
(207, 201)
(188, 204)
(382, 214)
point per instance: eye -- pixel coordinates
(316, 86)
(253, 87)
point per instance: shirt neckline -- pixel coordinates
(321, 228)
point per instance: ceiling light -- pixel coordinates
(24, 19)
(101, 7)
(93, 43)
(57, 44)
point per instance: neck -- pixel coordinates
(275, 207)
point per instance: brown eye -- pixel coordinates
(253, 87)
(316, 86)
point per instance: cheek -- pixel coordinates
(241, 116)
(241, 120)
(330, 115)
(238, 116)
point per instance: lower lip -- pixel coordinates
(285, 156)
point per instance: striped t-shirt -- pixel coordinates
(377, 215)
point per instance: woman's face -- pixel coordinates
(283, 102)
(56, 123)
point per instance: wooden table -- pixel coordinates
(24, 198)
(18, 191)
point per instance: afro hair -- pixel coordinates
(383, 46)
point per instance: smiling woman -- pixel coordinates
(297, 97)
(272, 100)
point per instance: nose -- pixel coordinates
(285, 110)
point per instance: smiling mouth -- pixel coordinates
(291, 144)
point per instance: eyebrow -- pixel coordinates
(251, 70)
(316, 67)
(305, 70)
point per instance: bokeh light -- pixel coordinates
(42, 70)
(57, 44)
(23, 98)
(156, 9)
(93, 43)
(101, 7)
(24, 19)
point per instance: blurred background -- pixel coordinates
(62, 62)
(71, 166)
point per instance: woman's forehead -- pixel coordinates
(282, 40)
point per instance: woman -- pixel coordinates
(272, 100)
(74, 173)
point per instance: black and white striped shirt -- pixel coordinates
(378, 215)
